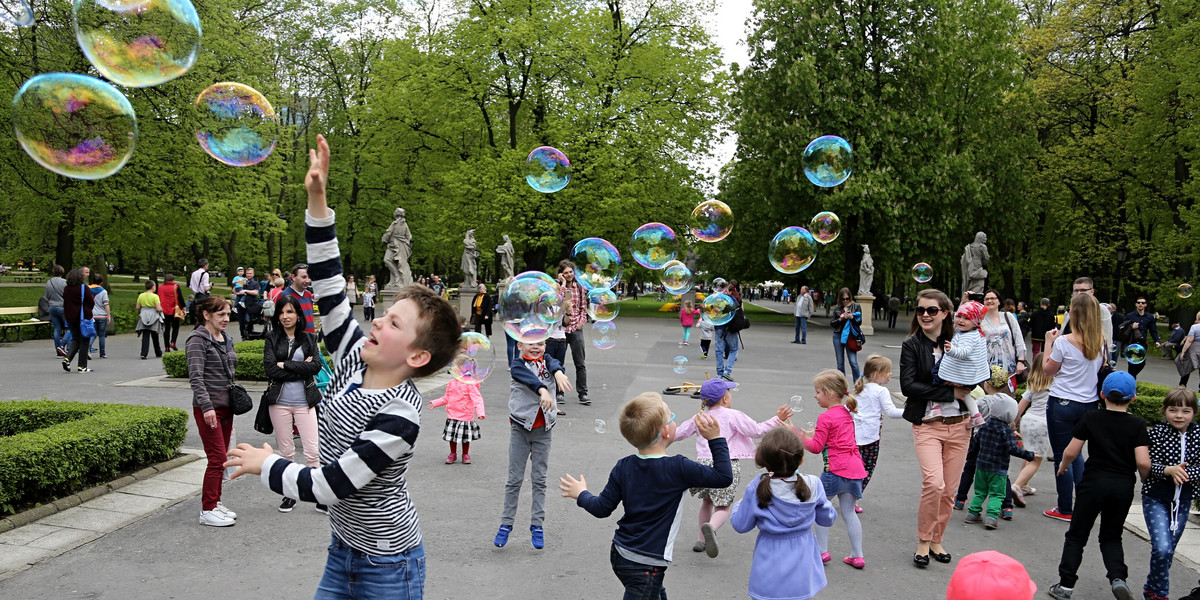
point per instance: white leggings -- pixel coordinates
(845, 508)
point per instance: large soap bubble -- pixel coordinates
(654, 245)
(718, 309)
(719, 284)
(547, 170)
(792, 250)
(922, 272)
(530, 307)
(138, 43)
(237, 125)
(75, 125)
(676, 278)
(603, 304)
(475, 358)
(597, 263)
(1184, 290)
(711, 221)
(16, 12)
(680, 363)
(604, 334)
(828, 161)
(1135, 354)
(825, 227)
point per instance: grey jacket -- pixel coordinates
(54, 291)
(209, 364)
(804, 305)
(523, 403)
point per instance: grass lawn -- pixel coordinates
(122, 295)
(648, 306)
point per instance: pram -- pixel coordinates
(256, 317)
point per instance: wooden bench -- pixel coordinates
(34, 321)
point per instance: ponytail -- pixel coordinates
(802, 491)
(781, 453)
(850, 402)
(763, 492)
(860, 384)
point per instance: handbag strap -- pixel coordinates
(225, 358)
(82, 291)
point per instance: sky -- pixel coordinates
(728, 25)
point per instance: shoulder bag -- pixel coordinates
(856, 339)
(87, 327)
(239, 399)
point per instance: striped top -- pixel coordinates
(367, 436)
(306, 299)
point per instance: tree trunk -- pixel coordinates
(230, 249)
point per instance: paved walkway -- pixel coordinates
(143, 541)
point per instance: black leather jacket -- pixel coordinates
(276, 350)
(916, 377)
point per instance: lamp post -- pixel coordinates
(1122, 257)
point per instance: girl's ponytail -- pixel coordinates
(763, 492)
(850, 402)
(781, 452)
(860, 384)
(802, 491)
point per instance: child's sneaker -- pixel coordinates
(1018, 496)
(466, 459)
(826, 557)
(502, 536)
(698, 546)
(1121, 590)
(704, 356)
(710, 540)
(84, 369)
(959, 504)
(213, 518)
(1053, 513)
(1028, 491)
(857, 509)
(451, 458)
(66, 365)
(991, 523)
(935, 410)
(976, 420)
(1058, 592)
(1006, 514)
(221, 508)
(855, 561)
(973, 518)
(538, 537)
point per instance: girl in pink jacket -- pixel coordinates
(462, 401)
(740, 431)
(687, 317)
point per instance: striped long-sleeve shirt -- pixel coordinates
(367, 436)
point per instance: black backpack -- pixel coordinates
(739, 321)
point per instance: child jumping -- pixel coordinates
(463, 402)
(531, 414)
(1031, 422)
(707, 330)
(835, 432)
(1118, 448)
(784, 504)
(739, 430)
(370, 418)
(964, 361)
(992, 445)
(687, 317)
(874, 401)
(1167, 493)
(650, 485)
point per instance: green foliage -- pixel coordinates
(49, 449)
(249, 365)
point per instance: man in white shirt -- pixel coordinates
(200, 285)
(804, 310)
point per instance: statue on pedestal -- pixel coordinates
(866, 272)
(974, 264)
(506, 253)
(470, 258)
(690, 259)
(398, 241)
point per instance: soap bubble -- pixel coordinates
(1184, 290)
(603, 304)
(654, 245)
(547, 170)
(825, 227)
(796, 403)
(16, 12)
(237, 125)
(711, 221)
(529, 306)
(719, 284)
(828, 161)
(676, 278)
(810, 425)
(680, 364)
(604, 334)
(475, 359)
(75, 125)
(138, 43)
(718, 309)
(600, 425)
(922, 272)
(1135, 354)
(792, 250)
(597, 263)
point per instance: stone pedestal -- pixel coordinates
(867, 303)
(466, 293)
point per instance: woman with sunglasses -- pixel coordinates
(941, 442)
(847, 311)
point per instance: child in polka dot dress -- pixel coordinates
(1167, 493)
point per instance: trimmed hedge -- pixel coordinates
(249, 366)
(50, 449)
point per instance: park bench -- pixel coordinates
(28, 278)
(33, 321)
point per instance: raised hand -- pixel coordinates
(317, 177)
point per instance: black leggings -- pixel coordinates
(170, 329)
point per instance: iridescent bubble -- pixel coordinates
(1135, 354)
(676, 278)
(597, 263)
(16, 12)
(711, 221)
(527, 304)
(138, 43)
(654, 245)
(475, 359)
(237, 125)
(604, 334)
(922, 272)
(719, 284)
(603, 304)
(718, 309)
(547, 170)
(828, 161)
(792, 250)
(600, 425)
(1184, 290)
(680, 364)
(75, 125)
(796, 403)
(825, 227)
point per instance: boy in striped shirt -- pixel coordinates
(369, 421)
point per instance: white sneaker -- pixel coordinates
(213, 518)
(221, 509)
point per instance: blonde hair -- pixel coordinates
(687, 305)
(832, 380)
(642, 418)
(875, 364)
(278, 282)
(1038, 379)
(1085, 324)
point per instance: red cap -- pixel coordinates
(988, 575)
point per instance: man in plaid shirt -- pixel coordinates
(573, 325)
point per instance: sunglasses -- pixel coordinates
(1081, 290)
(930, 310)
(669, 421)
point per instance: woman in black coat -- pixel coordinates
(482, 307)
(77, 307)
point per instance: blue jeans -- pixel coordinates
(801, 329)
(101, 333)
(841, 364)
(727, 341)
(353, 575)
(1061, 417)
(1162, 541)
(58, 321)
(642, 582)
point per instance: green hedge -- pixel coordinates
(50, 449)
(249, 366)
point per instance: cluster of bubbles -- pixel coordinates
(1135, 354)
(475, 360)
(547, 170)
(681, 364)
(922, 272)
(236, 124)
(828, 161)
(138, 43)
(711, 221)
(1184, 290)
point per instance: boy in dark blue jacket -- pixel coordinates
(651, 485)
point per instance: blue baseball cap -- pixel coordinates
(714, 389)
(1121, 382)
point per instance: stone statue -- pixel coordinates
(974, 264)
(507, 254)
(690, 259)
(470, 259)
(866, 272)
(398, 241)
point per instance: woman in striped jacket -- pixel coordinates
(211, 362)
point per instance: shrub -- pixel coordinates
(51, 449)
(249, 366)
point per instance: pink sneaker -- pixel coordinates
(466, 459)
(451, 458)
(826, 557)
(855, 561)
(976, 420)
(857, 509)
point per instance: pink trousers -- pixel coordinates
(305, 419)
(941, 451)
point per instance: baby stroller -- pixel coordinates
(256, 320)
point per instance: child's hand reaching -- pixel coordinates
(783, 413)
(707, 426)
(1177, 472)
(248, 459)
(572, 487)
(564, 384)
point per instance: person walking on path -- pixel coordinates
(1140, 327)
(1005, 343)
(171, 296)
(804, 310)
(1189, 354)
(211, 360)
(482, 307)
(150, 319)
(726, 336)
(201, 287)
(848, 311)
(688, 313)
(54, 299)
(573, 324)
(100, 310)
(77, 308)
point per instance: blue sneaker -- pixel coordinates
(539, 539)
(502, 536)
